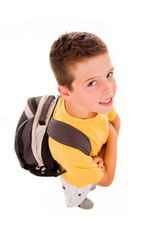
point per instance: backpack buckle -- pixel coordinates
(41, 169)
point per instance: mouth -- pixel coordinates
(107, 102)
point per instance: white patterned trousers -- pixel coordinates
(74, 196)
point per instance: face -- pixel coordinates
(94, 88)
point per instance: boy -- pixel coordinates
(81, 64)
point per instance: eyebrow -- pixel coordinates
(111, 70)
(92, 78)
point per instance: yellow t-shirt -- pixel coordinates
(81, 170)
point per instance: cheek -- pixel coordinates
(88, 100)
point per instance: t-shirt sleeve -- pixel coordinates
(112, 114)
(81, 170)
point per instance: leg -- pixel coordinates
(74, 196)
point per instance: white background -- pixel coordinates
(34, 208)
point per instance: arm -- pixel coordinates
(100, 159)
(110, 158)
(116, 123)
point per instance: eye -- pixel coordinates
(92, 84)
(110, 74)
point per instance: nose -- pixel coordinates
(107, 88)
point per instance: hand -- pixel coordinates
(99, 162)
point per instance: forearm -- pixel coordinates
(102, 152)
(110, 158)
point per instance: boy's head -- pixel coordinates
(84, 72)
(72, 48)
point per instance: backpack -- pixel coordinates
(31, 138)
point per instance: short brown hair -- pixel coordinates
(71, 48)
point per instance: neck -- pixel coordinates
(77, 112)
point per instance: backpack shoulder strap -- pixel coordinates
(68, 135)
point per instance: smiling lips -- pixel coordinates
(107, 102)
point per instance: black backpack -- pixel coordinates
(31, 139)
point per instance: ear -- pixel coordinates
(65, 93)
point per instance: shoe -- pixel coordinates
(86, 204)
(93, 187)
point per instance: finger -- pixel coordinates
(97, 159)
(100, 165)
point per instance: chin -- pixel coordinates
(107, 110)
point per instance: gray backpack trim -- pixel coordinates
(42, 118)
(38, 130)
